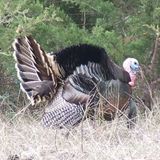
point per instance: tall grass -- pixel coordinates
(24, 138)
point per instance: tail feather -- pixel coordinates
(24, 59)
(34, 69)
(28, 76)
(25, 68)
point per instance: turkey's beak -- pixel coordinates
(135, 68)
(138, 68)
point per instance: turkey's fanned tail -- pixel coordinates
(36, 70)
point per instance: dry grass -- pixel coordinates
(27, 139)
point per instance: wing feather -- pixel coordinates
(79, 86)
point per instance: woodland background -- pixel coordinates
(125, 28)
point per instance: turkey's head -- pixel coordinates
(131, 65)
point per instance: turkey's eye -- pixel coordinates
(135, 63)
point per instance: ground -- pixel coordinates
(23, 138)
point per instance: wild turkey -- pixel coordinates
(74, 80)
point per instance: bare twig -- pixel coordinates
(155, 52)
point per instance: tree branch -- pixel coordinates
(154, 53)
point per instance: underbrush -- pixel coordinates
(23, 138)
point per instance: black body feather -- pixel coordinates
(74, 56)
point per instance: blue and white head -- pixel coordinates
(131, 65)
